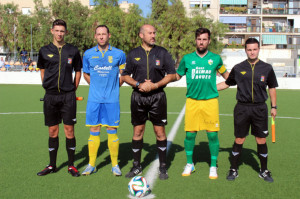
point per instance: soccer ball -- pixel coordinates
(138, 187)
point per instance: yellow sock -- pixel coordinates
(93, 144)
(113, 146)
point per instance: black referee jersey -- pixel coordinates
(59, 64)
(252, 80)
(152, 65)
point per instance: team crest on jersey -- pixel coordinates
(157, 62)
(50, 55)
(137, 58)
(193, 62)
(110, 59)
(262, 78)
(210, 62)
(69, 60)
(243, 72)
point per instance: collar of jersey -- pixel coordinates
(109, 48)
(204, 55)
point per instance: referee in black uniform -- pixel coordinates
(57, 61)
(252, 76)
(151, 67)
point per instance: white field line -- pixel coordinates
(170, 113)
(152, 172)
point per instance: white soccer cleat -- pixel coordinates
(89, 170)
(188, 169)
(213, 173)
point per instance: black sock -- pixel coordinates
(162, 151)
(71, 146)
(262, 151)
(53, 144)
(236, 152)
(137, 146)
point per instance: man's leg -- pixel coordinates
(189, 144)
(70, 147)
(213, 147)
(235, 155)
(161, 144)
(262, 151)
(53, 144)
(137, 146)
(93, 145)
(213, 143)
(113, 146)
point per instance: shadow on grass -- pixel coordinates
(247, 157)
(202, 154)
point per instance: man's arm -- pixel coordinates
(222, 86)
(87, 77)
(177, 77)
(77, 79)
(272, 93)
(225, 75)
(42, 74)
(120, 78)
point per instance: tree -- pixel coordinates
(158, 8)
(41, 24)
(75, 15)
(131, 25)
(8, 25)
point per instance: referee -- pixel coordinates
(151, 67)
(252, 76)
(57, 61)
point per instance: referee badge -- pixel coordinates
(69, 60)
(262, 78)
(157, 62)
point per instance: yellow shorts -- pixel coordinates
(202, 115)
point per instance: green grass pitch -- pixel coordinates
(24, 152)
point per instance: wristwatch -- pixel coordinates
(274, 107)
(137, 84)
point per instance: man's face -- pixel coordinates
(58, 33)
(202, 42)
(102, 36)
(252, 51)
(148, 35)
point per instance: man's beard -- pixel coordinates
(201, 52)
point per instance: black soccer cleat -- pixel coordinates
(232, 175)
(47, 170)
(266, 175)
(163, 174)
(134, 171)
(73, 171)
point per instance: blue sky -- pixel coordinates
(145, 5)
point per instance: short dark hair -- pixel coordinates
(59, 22)
(102, 26)
(201, 31)
(251, 40)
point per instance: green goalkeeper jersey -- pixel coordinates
(201, 74)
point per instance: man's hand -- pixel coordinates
(273, 112)
(147, 86)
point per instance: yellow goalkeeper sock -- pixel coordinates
(113, 146)
(93, 144)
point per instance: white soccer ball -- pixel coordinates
(138, 187)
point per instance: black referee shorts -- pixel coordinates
(149, 106)
(251, 115)
(60, 107)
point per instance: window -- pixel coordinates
(26, 11)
